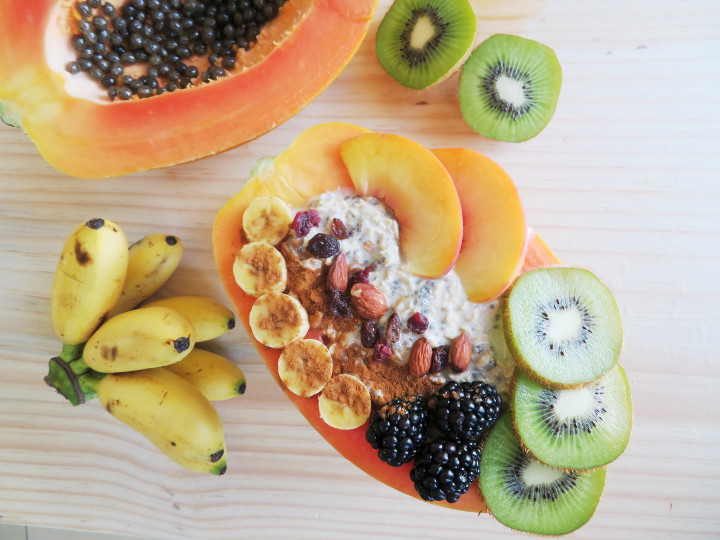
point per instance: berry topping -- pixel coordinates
(445, 469)
(397, 430)
(382, 351)
(339, 305)
(418, 323)
(323, 246)
(369, 334)
(439, 359)
(464, 411)
(361, 276)
(304, 221)
(392, 332)
(339, 229)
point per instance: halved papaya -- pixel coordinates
(311, 165)
(82, 133)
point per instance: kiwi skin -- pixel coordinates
(513, 416)
(518, 357)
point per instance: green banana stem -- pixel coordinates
(76, 387)
(71, 352)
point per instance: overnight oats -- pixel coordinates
(378, 351)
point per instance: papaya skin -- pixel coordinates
(88, 139)
(313, 164)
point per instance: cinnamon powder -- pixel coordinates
(386, 381)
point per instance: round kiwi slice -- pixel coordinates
(578, 428)
(525, 494)
(421, 42)
(509, 88)
(563, 325)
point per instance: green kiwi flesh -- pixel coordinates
(578, 428)
(421, 42)
(509, 88)
(525, 494)
(563, 326)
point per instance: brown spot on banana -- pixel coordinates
(109, 353)
(217, 456)
(82, 257)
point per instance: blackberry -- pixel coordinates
(444, 469)
(464, 411)
(397, 430)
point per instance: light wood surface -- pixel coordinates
(625, 181)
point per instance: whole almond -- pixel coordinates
(337, 278)
(420, 357)
(460, 353)
(367, 301)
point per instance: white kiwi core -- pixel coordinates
(423, 31)
(538, 474)
(510, 90)
(563, 324)
(570, 404)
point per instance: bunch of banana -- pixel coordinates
(141, 363)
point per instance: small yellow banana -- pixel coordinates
(215, 376)
(88, 280)
(171, 413)
(151, 262)
(139, 339)
(210, 318)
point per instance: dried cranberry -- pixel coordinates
(339, 229)
(439, 359)
(339, 305)
(381, 351)
(323, 246)
(392, 332)
(304, 221)
(418, 323)
(369, 334)
(361, 276)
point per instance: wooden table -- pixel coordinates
(625, 181)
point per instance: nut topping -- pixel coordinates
(420, 357)
(337, 278)
(460, 350)
(367, 301)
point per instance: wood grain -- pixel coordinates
(623, 181)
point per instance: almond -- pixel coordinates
(337, 278)
(460, 353)
(420, 357)
(367, 301)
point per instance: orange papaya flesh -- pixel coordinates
(294, 60)
(310, 166)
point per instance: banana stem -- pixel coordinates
(71, 352)
(76, 388)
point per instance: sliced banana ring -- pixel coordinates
(267, 219)
(277, 319)
(305, 367)
(344, 402)
(259, 268)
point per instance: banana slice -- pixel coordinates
(276, 320)
(305, 367)
(344, 402)
(259, 268)
(267, 219)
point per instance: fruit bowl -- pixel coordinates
(451, 259)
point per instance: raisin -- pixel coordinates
(361, 276)
(381, 351)
(339, 305)
(304, 221)
(339, 229)
(369, 334)
(323, 246)
(418, 323)
(439, 359)
(392, 332)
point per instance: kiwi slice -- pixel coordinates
(525, 494)
(422, 42)
(509, 88)
(563, 325)
(578, 428)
